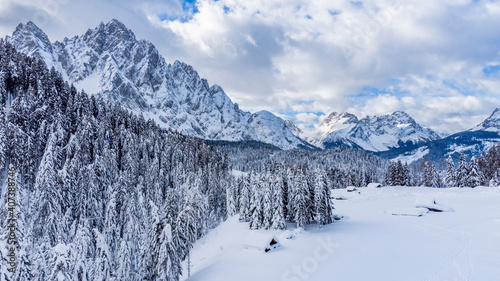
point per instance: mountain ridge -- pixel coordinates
(375, 134)
(109, 61)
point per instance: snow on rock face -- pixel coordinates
(272, 129)
(109, 61)
(334, 128)
(378, 133)
(29, 39)
(294, 129)
(491, 124)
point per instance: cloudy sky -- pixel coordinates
(437, 60)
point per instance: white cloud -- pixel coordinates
(307, 120)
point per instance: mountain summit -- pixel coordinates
(377, 133)
(491, 124)
(109, 61)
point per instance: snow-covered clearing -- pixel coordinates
(370, 243)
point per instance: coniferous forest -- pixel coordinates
(101, 194)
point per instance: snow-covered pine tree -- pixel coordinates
(24, 237)
(164, 262)
(245, 196)
(323, 208)
(431, 177)
(495, 180)
(62, 263)
(399, 175)
(267, 200)
(415, 176)
(491, 162)
(42, 258)
(278, 219)
(291, 177)
(103, 263)
(390, 175)
(474, 176)
(231, 198)
(124, 262)
(47, 207)
(84, 248)
(436, 179)
(300, 200)
(450, 180)
(256, 216)
(406, 175)
(462, 174)
(188, 223)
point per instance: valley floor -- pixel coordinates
(370, 243)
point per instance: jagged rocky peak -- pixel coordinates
(372, 133)
(294, 128)
(343, 117)
(30, 34)
(32, 41)
(491, 123)
(402, 118)
(110, 62)
(108, 36)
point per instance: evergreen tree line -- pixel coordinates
(482, 171)
(101, 194)
(283, 193)
(351, 167)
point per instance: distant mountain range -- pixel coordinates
(375, 134)
(110, 62)
(476, 141)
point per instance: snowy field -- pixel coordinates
(370, 243)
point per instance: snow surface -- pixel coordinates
(89, 84)
(238, 174)
(371, 244)
(412, 156)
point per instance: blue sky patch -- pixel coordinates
(334, 13)
(491, 70)
(189, 8)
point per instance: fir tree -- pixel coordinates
(300, 198)
(474, 177)
(462, 174)
(495, 181)
(267, 203)
(255, 205)
(278, 219)
(450, 179)
(323, 209)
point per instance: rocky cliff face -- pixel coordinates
(109, 61)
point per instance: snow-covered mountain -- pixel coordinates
(272, 129)
(491, 124)
(477, 141)
(109, 61)
(377, 133)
